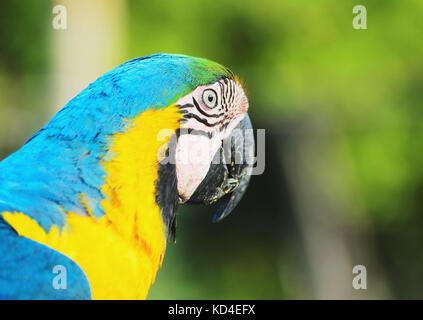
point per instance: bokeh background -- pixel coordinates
(343, 114)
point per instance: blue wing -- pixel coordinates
(26, 270)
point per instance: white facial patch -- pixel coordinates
(193, 156)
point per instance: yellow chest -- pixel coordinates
(121, 252)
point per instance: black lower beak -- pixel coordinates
(230, 171)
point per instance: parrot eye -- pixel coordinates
(210, 98)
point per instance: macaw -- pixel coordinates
(91, 198)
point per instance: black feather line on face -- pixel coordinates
(203, 121)
(167, 195)
(197, 106)
(206, 134)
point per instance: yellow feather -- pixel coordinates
(120, 252)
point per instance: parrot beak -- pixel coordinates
(229, 173)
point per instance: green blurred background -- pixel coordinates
(343, 114)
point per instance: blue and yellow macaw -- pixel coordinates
(94, 193)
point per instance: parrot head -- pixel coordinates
(211, 154)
